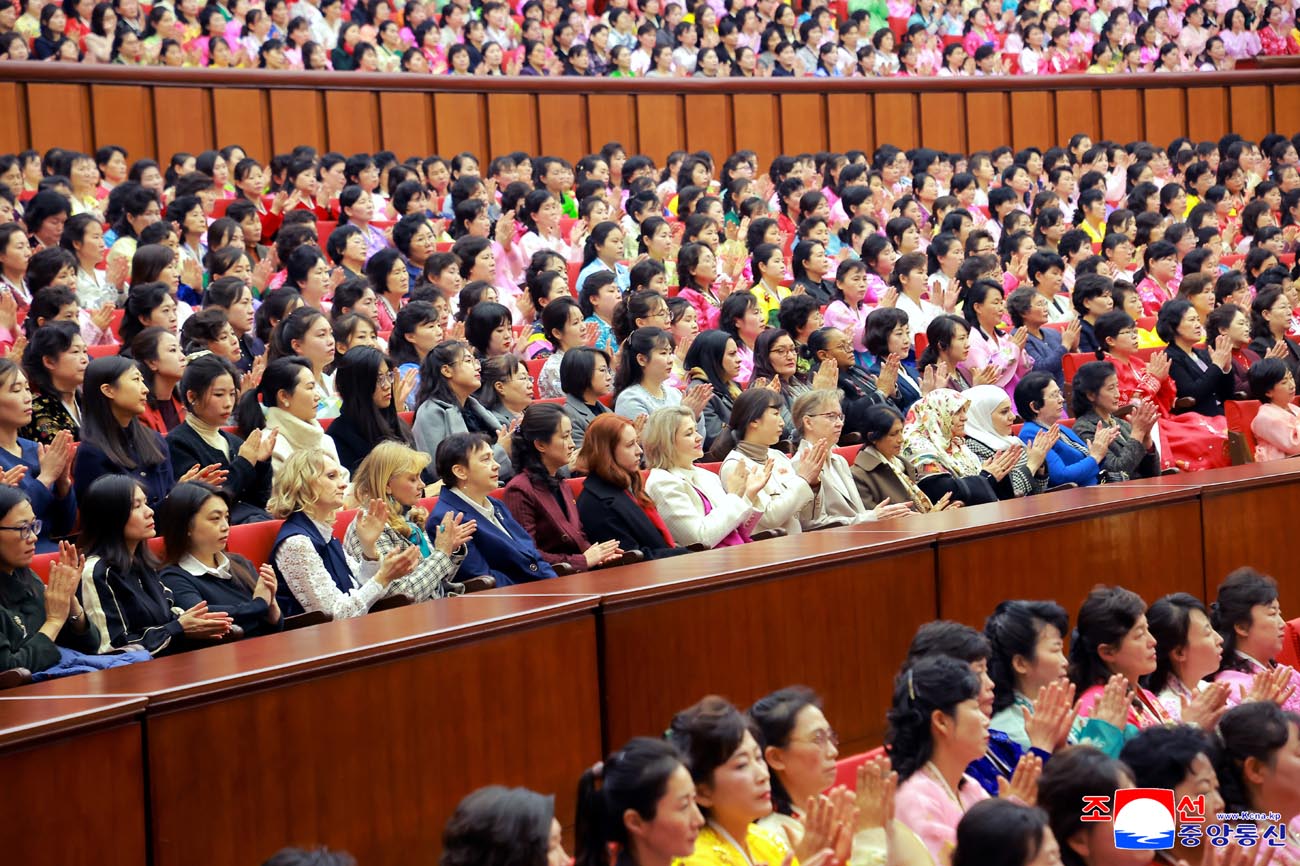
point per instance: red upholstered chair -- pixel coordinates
(1070, 363)
(920, 341)
(41, 563)
(254, 541)
(535, 370)
(575, 485)
(1241, 441)
(343, 521)
(846, 769)
(103, 351)
(1290, 654)
(849, 452)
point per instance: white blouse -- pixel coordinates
(312, 585)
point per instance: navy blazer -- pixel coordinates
(512, 558)
(608, 512)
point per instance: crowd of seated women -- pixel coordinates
(440, 379)
(714, 39)
(996, 738)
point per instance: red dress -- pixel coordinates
(1188, 441)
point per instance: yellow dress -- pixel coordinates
(713, 847)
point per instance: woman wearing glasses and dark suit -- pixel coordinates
(35, 620)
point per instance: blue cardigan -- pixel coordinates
(1065, 462)
(512, 558)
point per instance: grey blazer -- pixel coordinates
(581, 415)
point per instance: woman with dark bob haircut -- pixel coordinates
(1095, 402)
(586, 375)
(496, 826)
(1004, 833)
(1248, 615)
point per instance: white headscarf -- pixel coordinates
(984, 401)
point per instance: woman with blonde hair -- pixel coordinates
(313, 571)
(390, 474)
(694, 503)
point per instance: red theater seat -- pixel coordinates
(846, 769)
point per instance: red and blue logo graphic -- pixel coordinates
(1144, 819)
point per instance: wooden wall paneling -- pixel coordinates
(14, 135)
(1121, 115)
(1207, 113)
(59, 115)
(1033, 119)
(710, 125)
(896, 120)
(511, 122)
(1235, 525)
(1252, 115)
(241, 116)
(82, 800)
(661, 119)
(297, 117)
(1076, 111)
(849, 123)
(803, 122)
(1286, 108)
(1084, 554)
(124, 116)
(185, 120)
(459, 124)
(352, 121)
(406, 123)
(409, 736)
(843, 643)
(612, 117)
(1165, 112)
(943, 121)
(988, 120)
(754, 115)
(562, 122)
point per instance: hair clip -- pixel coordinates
(194, 356)
(911, 688)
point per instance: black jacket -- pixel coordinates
(608, 512)
(1208, 387)
(249, 485)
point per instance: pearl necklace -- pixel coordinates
(934, 772)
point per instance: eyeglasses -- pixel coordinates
(26, 530)
(835, 417)
(784, 350)
(822, 738)
(388, 378)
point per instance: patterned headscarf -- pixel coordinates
(927, 437)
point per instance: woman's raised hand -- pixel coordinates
(454, 532)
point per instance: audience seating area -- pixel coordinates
(584, 661)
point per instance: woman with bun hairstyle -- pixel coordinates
(936, 728)
(637, 808)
